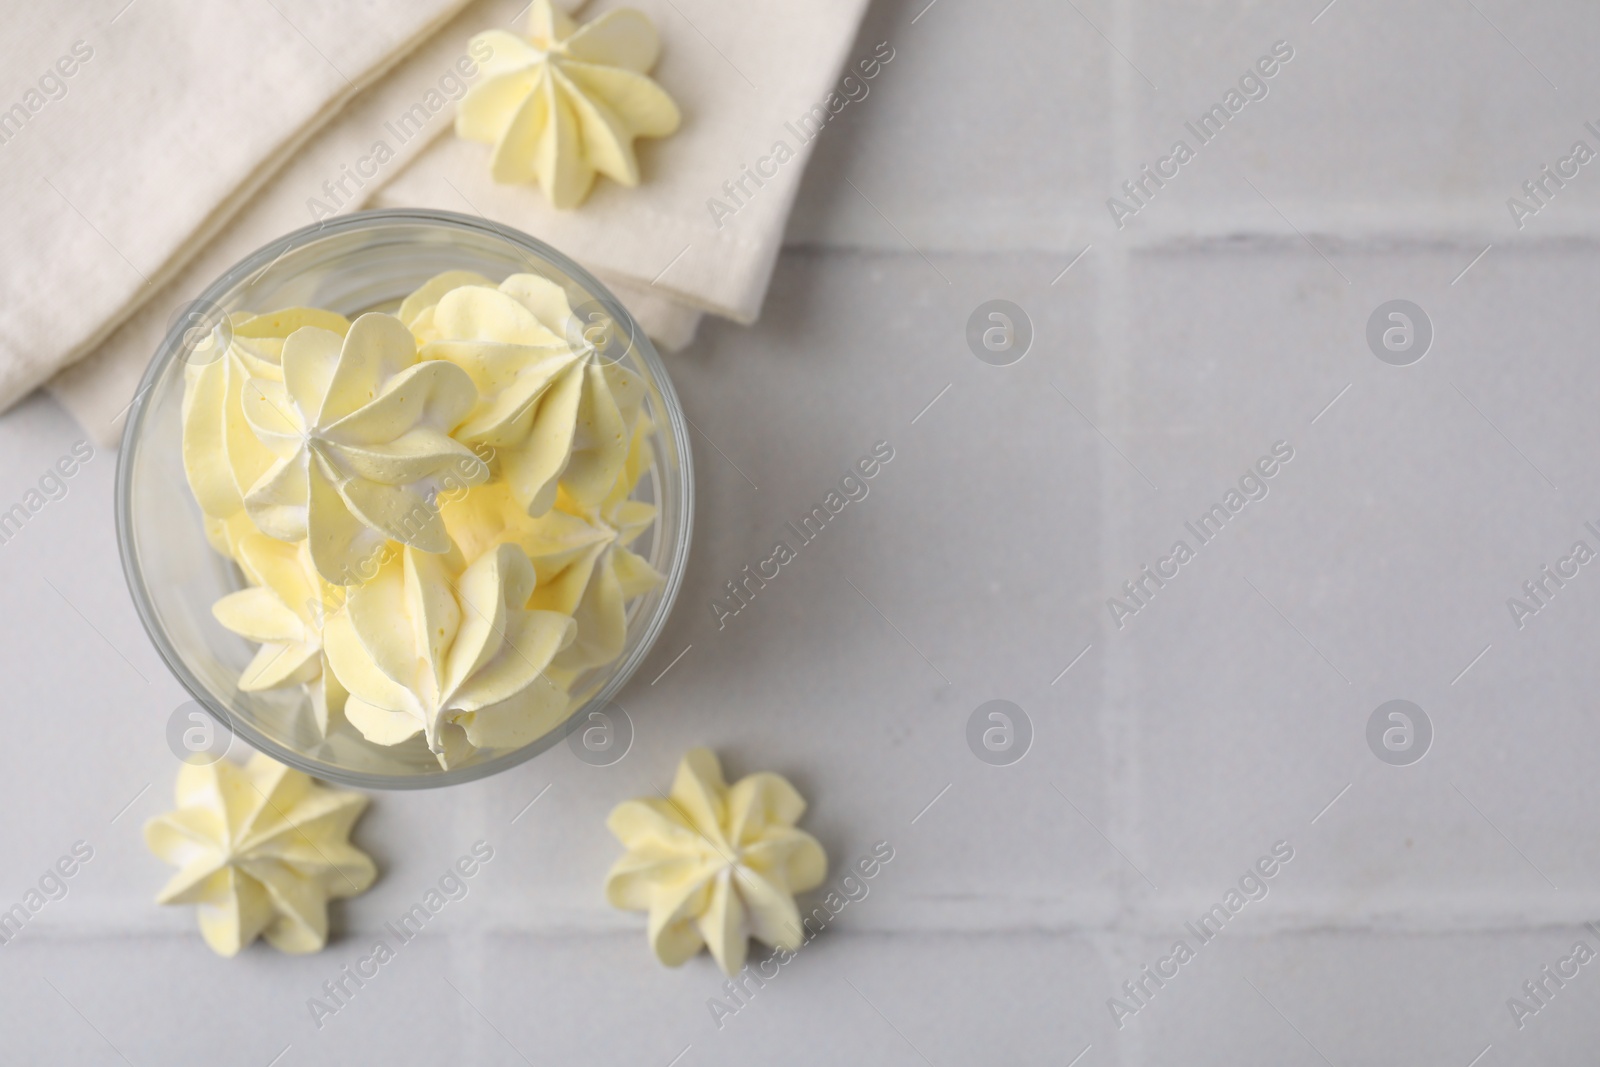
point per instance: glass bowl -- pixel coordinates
(357, 263)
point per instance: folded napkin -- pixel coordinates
(131, 137)
(98, 389)
(663, 247)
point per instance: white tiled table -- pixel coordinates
(1223, 718)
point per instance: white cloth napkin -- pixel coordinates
(98, 389)
(659, 246)
(130, 135)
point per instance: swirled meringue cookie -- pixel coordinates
(221, 454)
(489, 515)
(715, 866)
(596, 589)
(260, 849)
(360, 432)
(224, 535)
(453, 655)
(284, 610)
(580, 555)
(567, 102)
(416, 310)
(551, 409)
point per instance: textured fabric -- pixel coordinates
(134, 136)
(660, 246)
(99, 388)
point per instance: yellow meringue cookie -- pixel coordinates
(283, 611)
(596, 587)
(261, 849)
(489, 515)
(567, 102)
(224, 534)
(456, 657)
(715, 866)
(416, 310)
(548, 405)
(221, 456)
(361, 431)
(580, 555)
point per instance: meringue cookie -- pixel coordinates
(579, 554)
(550, 408)
(221, 456)
(261, 850)
(567, 102)
(487, 516)
(715, 866)
(283, 611)
(416, 310)
(224, 535)
(596, 588)
(361, 432)
(454, 656)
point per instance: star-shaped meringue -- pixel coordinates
(221, 455)
(283, 611)
(454, 656)
(361, 431)
(549, 405)
(225, 535)
(596, 588)
(581, 555)
(486, 516)
(261, 849)
(715, 866)
(568, 101)
(416, 310)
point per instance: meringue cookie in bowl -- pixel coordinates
(361, 431)
(284, 611)
(580, 554)
(454, 656)
(597, 588)
(221, 456)
(548, 405)
(429, 566)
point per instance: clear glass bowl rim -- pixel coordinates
(263, 257)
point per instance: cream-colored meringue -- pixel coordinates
(596, 588)
(580, 554)
(568, 101)
(361, 431)
(551, 408)
(715, 866)
(416, 310)
(221, 456)
(283, 610)
(261, 849)
(455, 656)
(224, 535)
(487, 516)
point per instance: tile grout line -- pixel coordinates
(1124, 778)
(1119, 725)
(467, 956)
(1078, 917)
